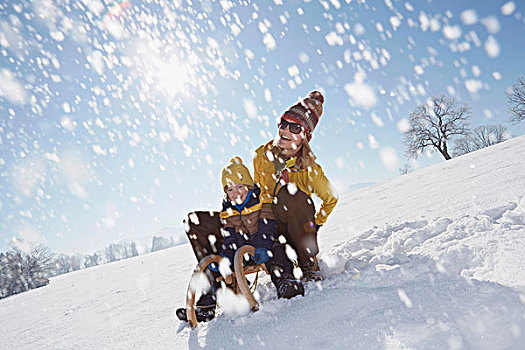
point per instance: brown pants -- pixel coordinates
(203, 229)
(295, 215)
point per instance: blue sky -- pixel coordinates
(116, 120)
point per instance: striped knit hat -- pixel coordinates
(307, 112)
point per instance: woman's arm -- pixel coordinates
(264, 181)
(323, 189)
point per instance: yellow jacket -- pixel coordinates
(309, 181)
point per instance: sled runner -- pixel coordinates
(238, 280)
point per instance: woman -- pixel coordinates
(287, 173)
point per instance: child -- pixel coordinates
(240, 214)
(241, 225)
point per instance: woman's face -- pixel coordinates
(288, 140)
(237, 193)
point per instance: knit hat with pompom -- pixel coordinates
(306, 112)
(236, 173)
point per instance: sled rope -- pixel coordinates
(253, 287)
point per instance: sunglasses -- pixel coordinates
(294, 127)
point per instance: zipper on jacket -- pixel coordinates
(243, 204)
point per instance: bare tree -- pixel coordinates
(40, 260)
(134, 251)
(91, 260)
(110, 253)
(481, 137)
(516, 101)
(405, 169)
(434, 125)
(464, 145)
(76, 261)
(63, 264)
(488, 135)
(12, 279)
(21, 270)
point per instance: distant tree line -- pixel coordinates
(29, 268)
(481, 137)
(435, 124)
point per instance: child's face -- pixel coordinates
(237, 193)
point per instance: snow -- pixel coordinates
(508, 8)
(429, 260)
(403, 125)
(389, 158)
(473, 85)
(469, 17)
(452, 32)
(496, 75)
(269, 42)
(395, 22)
(361, 94)
(11, 88)
(359, 29)
(333, 39)
(492, 47)
(372, 141)
(250, 108)
(492, 24)
(376, 119)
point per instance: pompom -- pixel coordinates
(236, 160)
(316, 95)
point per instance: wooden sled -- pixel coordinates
(238, 280)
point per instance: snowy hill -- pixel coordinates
(429, 260)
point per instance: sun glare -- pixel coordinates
(172, 76)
